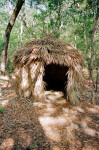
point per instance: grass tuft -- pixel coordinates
(1, 109)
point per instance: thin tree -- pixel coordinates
(7, 35)
(84, 28)
(92, 37)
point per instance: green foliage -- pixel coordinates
(60, 18)
(1, 108)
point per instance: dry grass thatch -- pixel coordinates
(30, 61)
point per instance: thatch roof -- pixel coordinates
(29, 67)
(49, 50)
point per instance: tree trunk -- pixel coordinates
(7, 35)
(21, 31)
(59, 15)
(85, 41)
(75, 40)
(97, 80)
(92, 37)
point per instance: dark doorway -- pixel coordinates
(55, 77)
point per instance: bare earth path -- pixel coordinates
(48, 125)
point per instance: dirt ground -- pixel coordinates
(52, 124)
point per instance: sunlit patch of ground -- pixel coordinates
(68, 127)
(52, 124)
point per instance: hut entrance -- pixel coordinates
(55, 77)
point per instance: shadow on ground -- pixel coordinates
(52, 124)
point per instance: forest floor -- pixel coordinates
(48, 125)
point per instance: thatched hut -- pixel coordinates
(48, 64)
